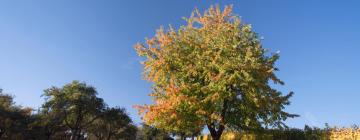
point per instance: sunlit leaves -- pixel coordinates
(199, 71)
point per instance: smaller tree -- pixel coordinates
(79, 105)
(46, 124)
(114, 123)
(6, 105)
(147, 132)
(129, 133)
(13, 118)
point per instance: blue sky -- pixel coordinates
(50, 43)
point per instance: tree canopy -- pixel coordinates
(211, 72)
(114, 123)
(148, 132)
(73, 111)
(13, 118)
(79, 104)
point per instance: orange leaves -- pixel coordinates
(171, 88)
(165, 106)
(165, 111)
(198, 67)
(212, 17)
(141, 109)
(151, 41)
(163, 38)
(140, 49)
(227, 11)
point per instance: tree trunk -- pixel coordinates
(109, 136)
(49, 132)
(182, 136)
(216, 134)
(74, 135)
(79, 135)
(48, 136)
(2, 133)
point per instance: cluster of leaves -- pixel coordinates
(211, 72)
(71, 112)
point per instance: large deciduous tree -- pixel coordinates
(78, 104)
(211, 72)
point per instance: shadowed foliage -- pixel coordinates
(71, 112)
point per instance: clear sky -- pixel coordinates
(50, 43)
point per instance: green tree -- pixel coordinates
(211, 72)
(79, 105)
(47, 125)
(13, 118)
(114, 123)
(6, 107)
(129, 133)
(147, 132)
(183, 134)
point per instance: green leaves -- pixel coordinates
(208, 62)
(77, 102)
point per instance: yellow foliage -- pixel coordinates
(332, 134)
(344, 134)
(198, 72)
(237, 136)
